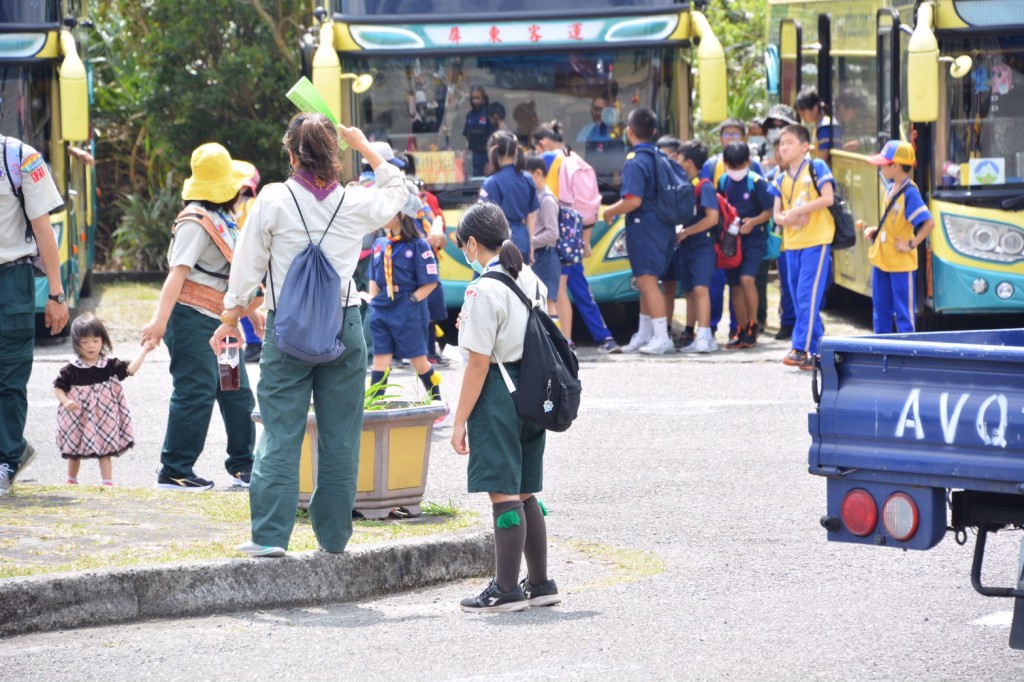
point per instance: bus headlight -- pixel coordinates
(618, 248)
(999, 242)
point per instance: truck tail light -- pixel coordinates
(859, 512)
(900, 516)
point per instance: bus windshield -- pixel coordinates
(29, 11)
(25, 105)
(442, 109)
(986, 117)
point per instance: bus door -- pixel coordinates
(790, 60)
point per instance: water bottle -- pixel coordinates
(729, 239)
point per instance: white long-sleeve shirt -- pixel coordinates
(273, 233)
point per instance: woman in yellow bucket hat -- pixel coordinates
(199, 260)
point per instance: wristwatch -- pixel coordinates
(58, 298)
(412, 297)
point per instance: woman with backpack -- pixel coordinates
(310, 208)
(506, 453)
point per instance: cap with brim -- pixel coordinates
(215, 177)
(387, 153)
(894, 151)
(781, 112)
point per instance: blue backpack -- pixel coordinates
(570, 236)
(675, 201)
(308, 316)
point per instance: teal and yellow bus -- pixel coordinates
(536, 60)
(44, 101)
(949, 76)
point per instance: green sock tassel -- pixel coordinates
(508, 519)
(543, 509)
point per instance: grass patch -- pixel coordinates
(625, 565)
(53, 529)
(125, 307)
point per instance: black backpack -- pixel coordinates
(846, 232)
(549, 378)
(675, 200)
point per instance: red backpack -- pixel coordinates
(726, 214)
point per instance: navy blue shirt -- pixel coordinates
(478, 129)
(746, 202)
(638, 178)
(412, 265)
(514, 192)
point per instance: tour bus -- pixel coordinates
(44, 101)
(404, 71)
(882, 66)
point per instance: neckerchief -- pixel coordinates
(317, 187)
(388, 269)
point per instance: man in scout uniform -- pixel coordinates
(905, 225)
(199, 259)
(27, 195)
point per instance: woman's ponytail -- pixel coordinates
(510, 258)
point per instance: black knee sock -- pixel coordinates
(509, 538)
(536, 547)
(375, 378)
(431, 340)
(432, 384)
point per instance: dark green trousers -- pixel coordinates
(17, 331)
(337, 389)
(196, 389)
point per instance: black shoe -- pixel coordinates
(438, 360)
(190, 482)
(240, 479)
(493, 600)
(785, 332)
(684, 340)
(736, 340)
(253, 352)
(545, 594)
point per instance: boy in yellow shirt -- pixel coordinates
(802, 198)
(905, 225)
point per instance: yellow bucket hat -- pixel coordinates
(215, 177)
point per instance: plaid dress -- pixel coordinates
(102, 425)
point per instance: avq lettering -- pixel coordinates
(910, 418)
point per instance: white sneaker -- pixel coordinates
(446, 419)
(636, 342)
(262, 551)
(658, 346)
(6, 479)
(691, 348)
(705, 345)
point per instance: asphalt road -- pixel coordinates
(692, 469)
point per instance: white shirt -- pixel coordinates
(274, 235)
(192, 247)
(493, 319)
(41, 197)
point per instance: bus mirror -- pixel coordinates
(923, 70)
(327, 70)
(711, 69)
(960, 67)
(74, 93)
(360, 83)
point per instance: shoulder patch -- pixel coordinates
(31, 162)
(630, 155)
(431, 268)
(427, 255)
(471, 293)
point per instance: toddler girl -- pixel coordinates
(93, 421)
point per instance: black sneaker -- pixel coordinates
(736, 340)
(190, 482)
(28, 455)
(545, 594)
(785, 332)
(493, 600)
(240, 479)
(684, 340)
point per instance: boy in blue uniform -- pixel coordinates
(696, 259)
(648, 240)
(905, 225)
(402, 273)
(748, 193)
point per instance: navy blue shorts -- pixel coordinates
(755, 246)
(671, 273)
(548, 269)
(696, 261)
(650, 245)
(399, 329)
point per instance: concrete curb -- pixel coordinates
(114, 596)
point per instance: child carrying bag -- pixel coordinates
(308, 315)
(549, 385)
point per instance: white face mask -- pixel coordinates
(736, 175)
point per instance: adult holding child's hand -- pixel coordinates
(310, 206)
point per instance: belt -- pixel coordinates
(20, 261)
(543, 248)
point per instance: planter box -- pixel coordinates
(394, 455)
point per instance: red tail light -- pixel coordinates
(900, 516)
(859, 512)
